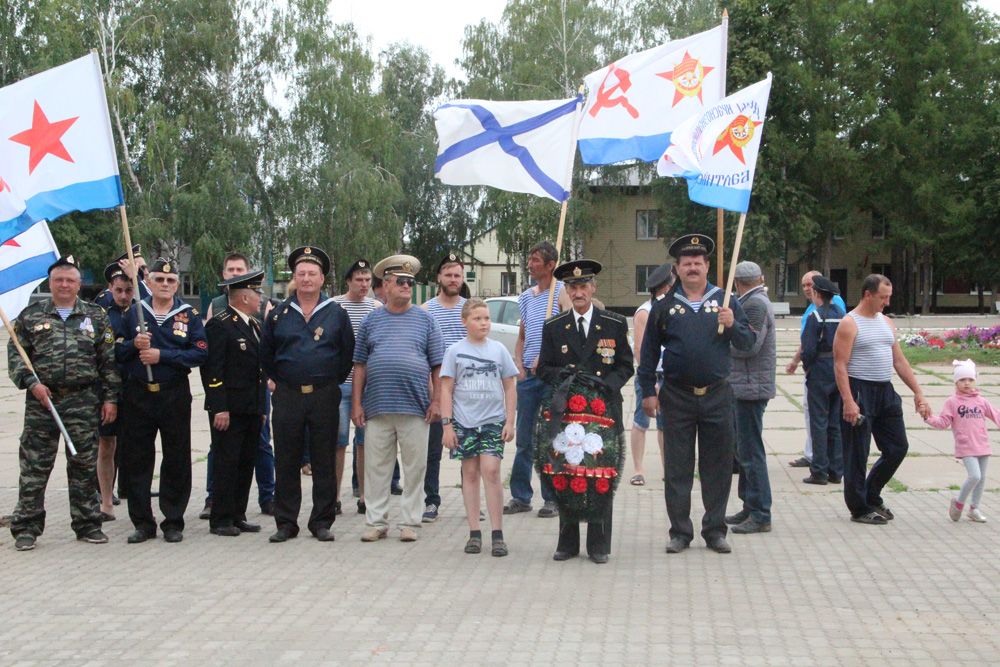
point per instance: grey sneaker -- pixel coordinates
(954, 511)
(549, 510)
(94, 537)
(886, 513)
(739, 517)
(24, 542)
(515, 506)
(751, 526)
(430, 514)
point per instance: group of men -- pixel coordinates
(309, 363)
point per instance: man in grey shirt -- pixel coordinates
(752, 380)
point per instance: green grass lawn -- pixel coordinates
(933, 355)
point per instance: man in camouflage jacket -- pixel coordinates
(71, 347)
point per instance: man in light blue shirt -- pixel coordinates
(806, 459)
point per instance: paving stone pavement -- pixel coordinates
(817, 590)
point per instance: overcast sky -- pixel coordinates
(436, 25)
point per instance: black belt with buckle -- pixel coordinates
(700, 391)
(306, 388)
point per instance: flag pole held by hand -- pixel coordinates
(138, 294)
(732, 265)
(27, 362)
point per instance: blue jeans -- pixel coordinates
(530, 393)
(344, 430)
(754, 486)
(263, 461)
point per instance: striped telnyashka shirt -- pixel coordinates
(871, 356)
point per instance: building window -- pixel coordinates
(647, 225)
(883, 269)
(880, 230)
(189, 286)
(508, 283)
(792, 278)
(642, 272)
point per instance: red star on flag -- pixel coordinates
(687, 77)
(3, 186)
(44, 138)
(12, 242)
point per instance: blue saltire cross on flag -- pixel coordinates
(516, 146)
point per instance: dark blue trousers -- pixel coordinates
(883, 412)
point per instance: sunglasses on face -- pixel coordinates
(164, 279)
(409, 282)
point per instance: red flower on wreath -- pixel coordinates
(579, 484)
(576, 403)
(598, 407)
(559, 482)
(602, 485)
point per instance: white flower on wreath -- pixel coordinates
(574, 442)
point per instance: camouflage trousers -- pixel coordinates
(40, 442)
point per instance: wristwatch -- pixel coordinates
(445, 421)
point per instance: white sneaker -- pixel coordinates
(976, 515)
(954, 511)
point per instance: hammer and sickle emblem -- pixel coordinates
(605, 93)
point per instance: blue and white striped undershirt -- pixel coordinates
(449, 320)
(871, 356)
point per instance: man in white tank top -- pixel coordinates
(865, 353)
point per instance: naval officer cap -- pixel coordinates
(359, 265)
(65, 260)
(692, 244)
(309, 253)
(577, 271)
(163, 265)
(252, 280)
(824, 284)
(136, 252)
(398, 265)
(659, 277)
(112, 271)
(450, 258)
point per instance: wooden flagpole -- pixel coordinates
(565, 205)
(138, 294)
(27, 362)
(732, 265)
(720, 228)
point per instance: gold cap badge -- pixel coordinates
(307, 251)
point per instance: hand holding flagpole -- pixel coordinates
(31, 368)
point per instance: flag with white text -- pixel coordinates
(716, 151)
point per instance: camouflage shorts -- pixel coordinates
(473, 442)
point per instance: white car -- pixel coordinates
(506, 320)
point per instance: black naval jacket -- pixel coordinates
(232, 375)
(694, 353)
(606, 353)
(180, 340)
(319, 352)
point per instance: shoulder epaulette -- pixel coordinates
(613, 316)
(223, 314)
(560, 314)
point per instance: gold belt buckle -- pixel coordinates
(153, 387)
(699, 391)
(307, 389)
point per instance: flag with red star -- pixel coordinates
(24, 264)
(57, 154)
(634, 103)
(716, 150)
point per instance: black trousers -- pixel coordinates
(598, 535)
(168, 412)
(234, 451)
(883, 412)
(709, 419)
(292, 413)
